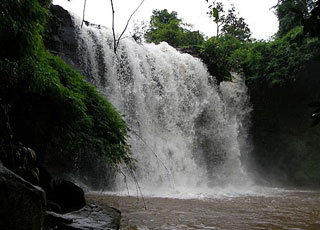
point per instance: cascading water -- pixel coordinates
(185, 128)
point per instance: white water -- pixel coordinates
(188, 134)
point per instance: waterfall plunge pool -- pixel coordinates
(277, 209)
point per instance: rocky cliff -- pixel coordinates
(89, 168)
(286, 147)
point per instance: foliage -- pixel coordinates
(165, 26)
(229, 23)
(18, 38)
(280, 60)
(216, 11)
(276, 62)
(217, 55)
(235, 26)
(311, 25)
(291, 13)
(49, 107)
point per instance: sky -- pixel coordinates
(257, 13)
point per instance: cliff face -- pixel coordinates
(60, 38)
(90, 168)
(286, 147)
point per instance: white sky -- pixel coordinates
(257, 13)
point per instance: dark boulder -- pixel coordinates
(62, 195)
(67, 195)
(22, 205)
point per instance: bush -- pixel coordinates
(278, 61)
(217, 55)
(274, 62)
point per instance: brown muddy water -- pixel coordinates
(284, 210)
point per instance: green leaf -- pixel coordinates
(215, 14)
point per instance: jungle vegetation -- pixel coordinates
(276, 60)
(44, 104)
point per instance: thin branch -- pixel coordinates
(138, 186)
(115, 40)
(125, 28)
(84, 10)
(125, 37)
(125, 181)
(155, 154)
(113, 31)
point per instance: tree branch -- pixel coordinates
(116, 41)
(84, 10)
(125, 28)
(113, 31)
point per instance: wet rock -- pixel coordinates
(60, 36)
(54, 207)
(22, 205)
(26, 164)
(67, 195)
(62, 195)
(91, 217)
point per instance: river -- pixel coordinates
(279, 209)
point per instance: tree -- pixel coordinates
(217, 13)
(166, 26)
(193, 38)
(235, 26)
(229, 23)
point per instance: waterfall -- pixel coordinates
(187, 132)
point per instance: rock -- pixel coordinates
(62, 195)
(22, 205)
(26, 164)
(60, 36)
(67, 195)
(54, 207)
(91, 217)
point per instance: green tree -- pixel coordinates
(236, 27)
(217, 13)
(166, 26)
(217, 54)
(228, 23)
